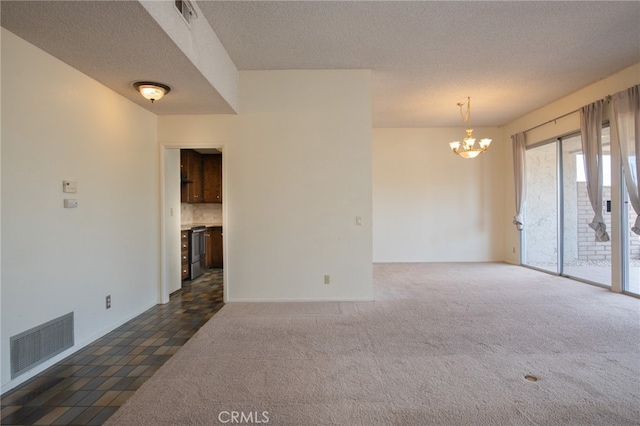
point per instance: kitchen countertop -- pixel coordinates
(188, 226)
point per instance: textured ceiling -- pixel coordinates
(510, 57)
(116, 43)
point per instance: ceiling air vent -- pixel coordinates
(186, 9)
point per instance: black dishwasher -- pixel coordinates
(197, 256)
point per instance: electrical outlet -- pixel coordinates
(327, 279)
(108, 301)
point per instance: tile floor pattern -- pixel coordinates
(88, 387)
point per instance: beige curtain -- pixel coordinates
(520, 178)
(626, 112)
(591, 130)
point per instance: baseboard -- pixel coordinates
(356, 299)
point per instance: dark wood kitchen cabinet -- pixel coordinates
(191, 176)
(184, 254)
(213, 241)
(212, 178)
(201, 177)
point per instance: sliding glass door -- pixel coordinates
(541, 210)
(631, 250)
(557, 236)
(583, 257)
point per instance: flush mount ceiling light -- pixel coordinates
(468, 147)
(150, 90)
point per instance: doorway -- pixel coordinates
(176, 214)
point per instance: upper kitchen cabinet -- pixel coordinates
(191, 176)
(201, 177)
(212, 178)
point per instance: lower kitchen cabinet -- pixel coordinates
(184, 254)
(213, 240)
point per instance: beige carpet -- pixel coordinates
(443, 344)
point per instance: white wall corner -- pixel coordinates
(201, 45)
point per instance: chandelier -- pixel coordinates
(468, 147)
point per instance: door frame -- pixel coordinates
(165, 214)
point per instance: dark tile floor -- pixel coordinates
(89, 386)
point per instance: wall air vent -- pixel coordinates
(186, 9)
(34, 346)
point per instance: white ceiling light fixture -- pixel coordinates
(150, 90)
(468, 148)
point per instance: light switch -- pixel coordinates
(358, 220)
(70, 203)
(70, 186)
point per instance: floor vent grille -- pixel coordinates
(36, 345)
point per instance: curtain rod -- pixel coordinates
(606, 98)
(551, 121)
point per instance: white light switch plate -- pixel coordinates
(70, 203)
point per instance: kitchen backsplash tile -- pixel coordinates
(200, 213)
(186, 213)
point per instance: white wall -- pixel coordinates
(620, 81)
(297, 173)
(430, 205)
(59, 124)
(172, 249)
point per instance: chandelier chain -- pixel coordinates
(466, 116)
